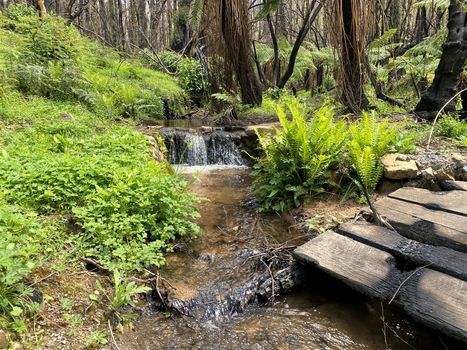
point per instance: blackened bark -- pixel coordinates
(237, 44)
(309, 18)
(421, 25)
(353, 96)
(450, 66)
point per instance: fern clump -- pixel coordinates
(370, 140)
(298, 158)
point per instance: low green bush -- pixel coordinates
(128, 207)
(190, 73)
(451, 127)
(22, 239)
(298, 159)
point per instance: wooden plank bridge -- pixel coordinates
(423, 265)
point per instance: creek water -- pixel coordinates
(205, 275)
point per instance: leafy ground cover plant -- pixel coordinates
(128, 206)
(452, 127)
(23, 236)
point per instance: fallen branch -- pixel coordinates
(404, 281)
(114, 343)
(439, 113)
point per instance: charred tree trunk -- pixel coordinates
(352, 59)
(450, 66)
(305, 28)
(421, 27)
(231, 31)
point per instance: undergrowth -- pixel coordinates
(301, 157)
(76, 179)
(298, 159)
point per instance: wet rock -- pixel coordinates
(206, 129)
(459, 159)
(262, 129)
(3, 340)
(399, 166)
(284, 281)
(205, 258)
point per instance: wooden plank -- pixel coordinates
(432, 231)
(366, 269)
(453, 221)
(442, 259)
(449, 185)
(451, 201)
(438, 300)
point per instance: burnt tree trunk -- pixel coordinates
(352, 58)
(235, 32)
(450, 66)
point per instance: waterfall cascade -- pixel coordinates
(191, 147)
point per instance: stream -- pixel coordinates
(218, 284)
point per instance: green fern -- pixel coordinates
(370, 140)
(298, 159)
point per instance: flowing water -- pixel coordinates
(213, 281)
(195, 147)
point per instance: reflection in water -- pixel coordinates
(324, 314)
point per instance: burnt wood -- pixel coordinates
(425, 225)
(438, 300)
(442, 259)
(366, 269)
(452, 201)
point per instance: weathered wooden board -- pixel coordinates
(441, 259)
(454, 221)
(367, 269)
(451, 201)
(413, 222)
(449, 185)
(437, 300)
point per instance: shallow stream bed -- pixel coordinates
(321, 314)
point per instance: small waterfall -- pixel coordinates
(193, 148)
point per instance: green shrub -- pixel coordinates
(129, 207)
(298, 158)
(21, 236)
(190, 73)
(370, 140)
(451, 127)
(132, 102)
(403, 142)
(52, 39)
(56, 80)
(193, 79)
(19, 17)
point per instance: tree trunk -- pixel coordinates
(305, 28)
(421, 27)
(352, 60)
(450, 66)
(235, 32)
(42, 9)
